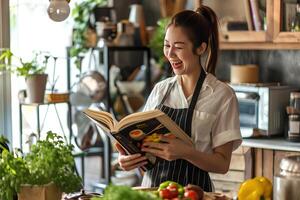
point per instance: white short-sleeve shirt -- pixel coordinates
(216, 115)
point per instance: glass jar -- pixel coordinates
(295, 100)
(295, 24)
(294, 128)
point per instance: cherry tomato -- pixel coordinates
(191, 194)
(165, 194)
(172, 186)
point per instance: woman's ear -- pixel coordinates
(200, 50)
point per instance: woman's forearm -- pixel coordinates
(217, 162)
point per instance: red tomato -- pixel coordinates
(191, 194)
(172, 187)
(165, 194)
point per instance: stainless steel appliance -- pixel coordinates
(262, 108)
(287, 182)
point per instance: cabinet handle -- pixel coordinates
(226, 37)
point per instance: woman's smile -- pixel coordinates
(176, 64)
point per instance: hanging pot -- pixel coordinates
(36, 85)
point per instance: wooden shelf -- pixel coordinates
(258, 46)
(271, 39)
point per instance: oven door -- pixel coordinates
(248, 104)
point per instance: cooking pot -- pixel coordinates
(287, 182)
(82, 195)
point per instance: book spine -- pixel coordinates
(255, 14)
(248, 15)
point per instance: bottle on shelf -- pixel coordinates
(295, 24)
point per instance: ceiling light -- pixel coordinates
(58, 10)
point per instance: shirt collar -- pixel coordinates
(209, 82)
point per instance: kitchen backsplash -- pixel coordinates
(274, 65)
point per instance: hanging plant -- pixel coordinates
(81, 15)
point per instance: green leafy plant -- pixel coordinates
(23, 68)
(49, 161)
(3, 143)
(81, 15)
(157, 41)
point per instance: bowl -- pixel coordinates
(57, 97)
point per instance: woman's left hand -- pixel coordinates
(168, 148)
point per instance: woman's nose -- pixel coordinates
(171, 52)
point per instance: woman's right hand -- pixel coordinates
(129, 162)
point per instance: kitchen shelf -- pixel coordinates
(273, 38)
(278, 143)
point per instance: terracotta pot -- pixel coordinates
(36, 85)
(45, 192)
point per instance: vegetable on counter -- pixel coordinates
(258, 188)
(114, 192)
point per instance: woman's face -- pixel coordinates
(178, 49)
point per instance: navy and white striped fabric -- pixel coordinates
(179, 170)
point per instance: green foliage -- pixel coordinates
(50, 160)
(3, 143)
(81, 15)
(114, 192)
(24, 68)
(157, 41)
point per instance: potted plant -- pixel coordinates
(44, 173)
(32, 71)
(82, 29)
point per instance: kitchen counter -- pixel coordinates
(271, 143)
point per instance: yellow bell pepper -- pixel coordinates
(258, 188)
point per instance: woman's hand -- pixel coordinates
(168, 148)
(129, 162)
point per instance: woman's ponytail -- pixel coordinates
(213, 38)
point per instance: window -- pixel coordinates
(32, 30)
(5, 111)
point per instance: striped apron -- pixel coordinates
(179, 170)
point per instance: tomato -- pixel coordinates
(168, 194)
(172, 187)
(173, 190)
(191, 194)
(165, 194)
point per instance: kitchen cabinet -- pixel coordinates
(255, 157)
(267, 162)
(240, 169)
(274, 37)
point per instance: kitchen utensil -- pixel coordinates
(287, 182)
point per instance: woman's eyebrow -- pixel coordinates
(176, 42)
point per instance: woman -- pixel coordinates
(204, 107)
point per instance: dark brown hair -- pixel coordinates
(201, 26)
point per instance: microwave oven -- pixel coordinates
(262, 108)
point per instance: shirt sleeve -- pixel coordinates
(152, 99)
(226, 127)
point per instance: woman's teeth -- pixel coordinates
(176, 64)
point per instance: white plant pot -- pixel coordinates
(36, 85)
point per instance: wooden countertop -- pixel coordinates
(275, 143)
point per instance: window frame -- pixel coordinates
(5, 80)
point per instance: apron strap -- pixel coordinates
(194, 101)
(167, 93)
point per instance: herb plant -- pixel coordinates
(3, 143)
(114, 192)
(81, 15)
(49, 160)
(23, 68)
